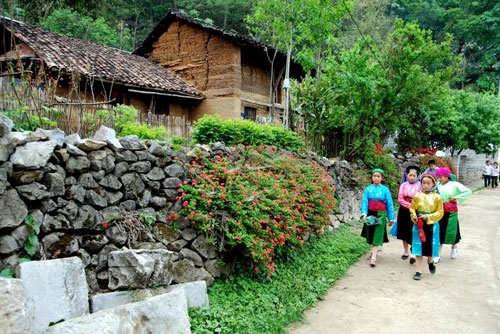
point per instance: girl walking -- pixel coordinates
(426, 210)
(376, 207)
(452, 193)
(407, 190)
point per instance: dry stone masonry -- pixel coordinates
(74, 188)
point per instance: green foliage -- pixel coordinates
(124, 120)
(178, 142)
(303, 26)
(210, 129)
(72, 23)
(122, 116)
(371, 92)
(226, 14)
(478, 118)
(7, 273)
(144, 131)
(23, 121)
(261, 204)
(31, 244)
(475, 26)
(270, 306)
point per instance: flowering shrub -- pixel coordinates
(422, 150)
(261, 203)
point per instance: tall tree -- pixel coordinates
(301, 27)
(371, 92)
(368, 19)
(475, 26)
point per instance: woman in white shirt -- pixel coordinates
(494, 175)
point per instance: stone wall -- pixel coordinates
(76, 189)
(73, 188)
(469, 165)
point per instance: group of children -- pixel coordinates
(427, 217)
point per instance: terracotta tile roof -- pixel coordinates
(97, 61)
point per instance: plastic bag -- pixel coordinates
(372, 220)
(394, 230)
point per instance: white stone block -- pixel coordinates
(166, 314)
(56, 290)
(14, 315)
(195, 292)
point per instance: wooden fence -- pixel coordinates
(74, 117)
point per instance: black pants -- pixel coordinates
(494, 181)
(487, 180)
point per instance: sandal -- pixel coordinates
(373, 262)
(405, 256)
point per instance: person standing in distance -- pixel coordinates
(432, 168)
(486, 173)
(494, 175)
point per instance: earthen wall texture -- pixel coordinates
(213, 64)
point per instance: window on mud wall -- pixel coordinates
(249, 113)
(162, 106)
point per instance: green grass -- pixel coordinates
(245, 305)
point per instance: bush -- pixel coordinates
(124, 120)
(258, 205)
(144, 131)
(210, 129)
(24, 121)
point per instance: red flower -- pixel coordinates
(185, 203)
(105, 225)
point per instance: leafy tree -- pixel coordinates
(226, 14)
(480, 115)
(475, 26)
(71, 23)
(304, 28)
(369, 93)
(371, 19)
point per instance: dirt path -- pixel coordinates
(462, 297)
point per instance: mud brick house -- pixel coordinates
(233, 71)
(51, 70)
